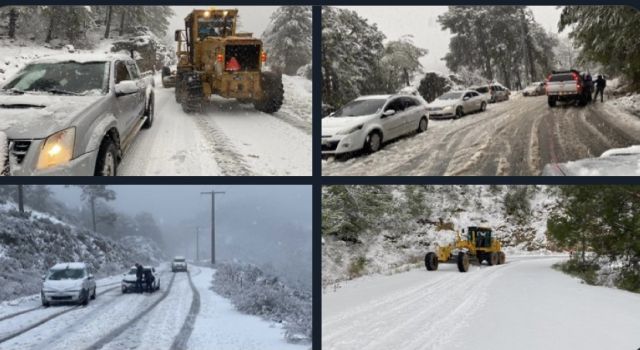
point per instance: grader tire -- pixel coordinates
(273, 93)
(501, 258)
(431, 261)
(192, 102)
(463, 262)
(493, 259)
(480, 258)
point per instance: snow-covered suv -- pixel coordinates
(179, 263)
(72, 115)
(68, 283)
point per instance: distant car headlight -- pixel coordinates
(57, 149)
(349, 131)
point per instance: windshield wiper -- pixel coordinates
(14, 91)
(62, 92)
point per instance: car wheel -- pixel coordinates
(483, 106)
(150, 112)
(423, 124)
(44, 301)
(373, 142)
(85, 299)
(459, 112)
(94, 294)
(124, 290)
(107, 158)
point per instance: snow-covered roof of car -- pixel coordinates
(374, 97)
(82, 58)
(69, 265)
(178, 257)
(622, 151)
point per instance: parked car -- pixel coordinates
(567, 86)
(73, 114)
(493, 92)
(129, 279)
(69, 282)
(455, 104)
(369, 121)
(614, 162)
(179, 263)
(534, 89)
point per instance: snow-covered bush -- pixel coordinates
(305, 71)
(254, 292)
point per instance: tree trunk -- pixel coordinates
(13, 18)
(21, 198)
(122, 17)
(108, 22)
(93, 212)
(50, 30)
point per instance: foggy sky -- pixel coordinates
(421, 22)
(252, 19)
(268, 225)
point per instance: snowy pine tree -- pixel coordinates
(287, 39)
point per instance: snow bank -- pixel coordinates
(297, 98)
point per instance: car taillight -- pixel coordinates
(263, 56)
(220, 58)
(575, 76)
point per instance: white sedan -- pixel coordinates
(455, 104)
(369, 121)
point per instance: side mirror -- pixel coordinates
(177, 36)
(90, 276)
(389, 112)
(332, 114)
(126, 87)
(465, 98)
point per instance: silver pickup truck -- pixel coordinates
(73, 114)
(566, 86)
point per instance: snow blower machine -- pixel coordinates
(214, 59)
(479, 244)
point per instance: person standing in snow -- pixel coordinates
(148, 279)
(601, 83)
(139, 272)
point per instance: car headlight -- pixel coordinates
(57, 149)
(349, 131)
(447, 108)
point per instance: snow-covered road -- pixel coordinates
(142, 321)
(227, 138)
(523, 305)
(516, 137)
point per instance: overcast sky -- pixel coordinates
(252, 19)
(421, 22)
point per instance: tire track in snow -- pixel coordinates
(187, 327)
(116, 332)
(46, 319)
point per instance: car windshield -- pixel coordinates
(66, 274)
(450, 96)
(483, 90)
(132, 271)
(62, 78)
(178, 260)
(360, 107)
(214, 26)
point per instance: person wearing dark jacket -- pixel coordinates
(139, 272)
(148, 279)
(601, 83)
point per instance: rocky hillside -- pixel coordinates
(388, 229)
(32, 242)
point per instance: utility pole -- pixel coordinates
(197, 242)
(213, 223)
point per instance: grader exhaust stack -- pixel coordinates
(478, 244)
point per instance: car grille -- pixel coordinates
(433, 109)
(19, 149)
(66, 297)
(330, 146)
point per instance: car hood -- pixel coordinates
(442, 103)
(615, 165)
(129, 278)
(36, 116)
(332, 125)
(62, 285)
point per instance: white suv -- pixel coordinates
(179, 263)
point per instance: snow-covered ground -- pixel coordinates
(140, 321)
(227, 138)
(524, 304)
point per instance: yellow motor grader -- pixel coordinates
(478, 244)
(214, 59)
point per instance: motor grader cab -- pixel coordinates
(478, 244)
(214, 59)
